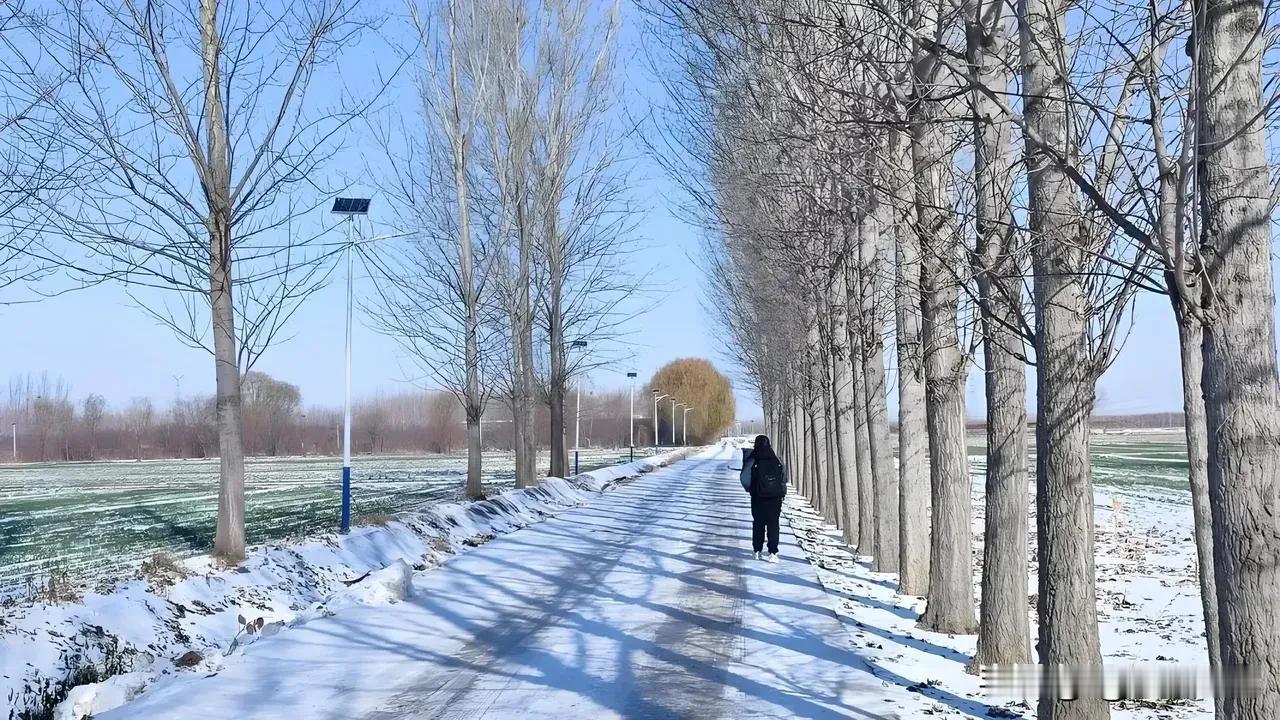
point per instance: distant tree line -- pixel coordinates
(54, 425)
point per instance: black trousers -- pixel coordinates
(764, 516)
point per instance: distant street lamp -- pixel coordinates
(577, 415)
(631, 416)
(656, 398)
(685, 439)
(674, 405)
(15, 441)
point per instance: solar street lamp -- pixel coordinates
(577, 415)
(351, 208)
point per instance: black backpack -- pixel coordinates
(770, 479)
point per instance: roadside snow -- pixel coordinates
(1148, 605)
(88, 656)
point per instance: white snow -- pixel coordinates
(141, 627)
(96, 698)
(645, 603)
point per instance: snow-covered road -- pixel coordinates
(644, 604)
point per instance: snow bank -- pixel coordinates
(96, 698)
(76, 659)
(1149, 606)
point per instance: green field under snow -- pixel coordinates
(98, 519)
(1146, 463)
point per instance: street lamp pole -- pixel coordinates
(685, 439)
(345, 522)
(577, 415)
(350, 207)
(15, 441)
(631, 416)
(656, 397)
(674, 404)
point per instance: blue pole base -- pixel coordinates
(575, 462)
(345, 525)
(633, 453)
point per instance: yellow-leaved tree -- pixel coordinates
(695, 382)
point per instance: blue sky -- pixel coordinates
(99, 342)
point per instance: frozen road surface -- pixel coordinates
(644, 604)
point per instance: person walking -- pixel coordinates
(765, 478)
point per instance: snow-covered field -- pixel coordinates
(97, 520)
(1148, 596)
(113, 642)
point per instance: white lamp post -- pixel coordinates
(674, 405)
(350, 207)
(656, 398)
(577, 415)
(685, 439)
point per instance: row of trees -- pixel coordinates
(179, 147)
(511, 179)
(989, 184)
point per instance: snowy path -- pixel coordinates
(645, 604)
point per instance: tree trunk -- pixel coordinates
(525, 382)
(913, 479)
(229, 538)
(833, 464)
(1067, 601)
(1189, 344)
(1004, 634)
(801, 423)
(884, 476)
(950, 607)
(842, 392)
(831, 474)
(811, 461)
(474, 487)
(861, 437)
(559, 381)
(1241, 390)
(518, 430)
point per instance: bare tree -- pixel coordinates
(271, 405)
(201, 147)
(95, 408)
(581, 202)
(1003, 632)
(51, 409)
(138, 419)
(436, 299)
(950, 607)
(1241, 389)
